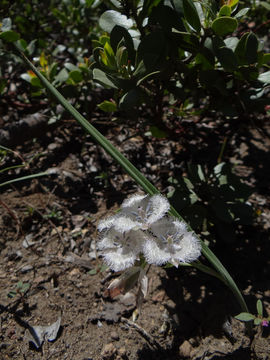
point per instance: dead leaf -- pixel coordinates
(125, 282)
(38, 334)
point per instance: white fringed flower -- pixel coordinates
(141, 227)
(145, 210)
(120, 249)
(171, 242)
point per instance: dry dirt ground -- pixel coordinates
(47, 240)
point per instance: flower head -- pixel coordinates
(120, 249)
(171, 242)
(265, 323)
(145, 210)
(141, 227)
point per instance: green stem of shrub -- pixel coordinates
(222, 273)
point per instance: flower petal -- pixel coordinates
(118, 261)
(159, 207)
(154, 254)
(106, 223)
(133, 201)
(124, 223)
(121, 249)
(174, 241)
(190, 249)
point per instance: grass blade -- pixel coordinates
(27, 177)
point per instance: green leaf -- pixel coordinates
(241, 13)
(22, 44)
(249, 73)
(247, 49)
(167, 18)
(118, 33)
(224, 25)
(265, 4)
(259, 306)
(104, 39)
(232, 3)
(245, 316)
(188, 183)
(110, 57)
(19, 284)
(257, 321)
(203, 61)
(225, 11)
(148, 5)
(107, 106)
(110, 18)
(92, 272)
(196, 173)
(150, 75)
(207, 57)
(158, 133)
(231, 42)
(264, 77)
(3, 84)
(251, 49)
(241, 48)
(9, 36)
(152, 50)
(265, 59)
(140, 70)
(102, 78)
(75, 76)
(70, 66)
(61, 77)
(12, 294)
(186, 41)
(36, 82)
(28, 177)
(121, 57)
(191, 14)
(25, 287)
(227, 58)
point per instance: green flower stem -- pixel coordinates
(198, 265)
(149, 188)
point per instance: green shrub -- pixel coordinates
(183, 51)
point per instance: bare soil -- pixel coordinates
(48, 235)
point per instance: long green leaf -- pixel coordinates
(138, 177)
(27, 177)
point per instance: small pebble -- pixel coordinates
(185, 349)
(26, 268)
(114, 336)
